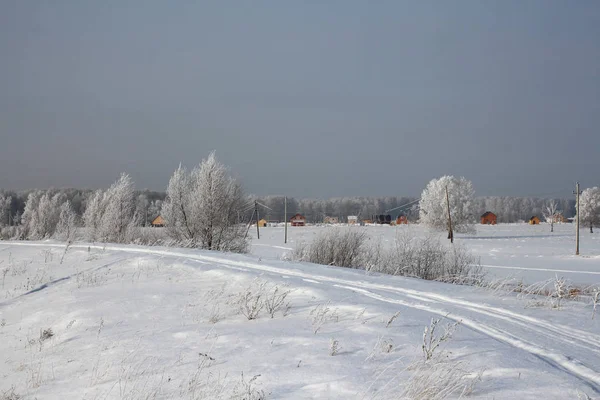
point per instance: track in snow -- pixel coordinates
(563, 337)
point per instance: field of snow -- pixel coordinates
(129, 322)
(528, 252)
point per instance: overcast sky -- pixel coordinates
(304, 98)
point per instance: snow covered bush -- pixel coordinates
(201, 208)
(342, 248)
(590, 207)
(428, 258)
(433, 206)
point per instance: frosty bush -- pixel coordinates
(433, 206)
(342, 248)
(428, 258)
(201, 208)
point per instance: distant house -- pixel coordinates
(262, 223)
(298, 220)
(558, 218)
(488, 218)
(383, 219)
(352, 219)
(331, 220)
(534, 220)
(401, 220)
(366, 221)
(158, 222)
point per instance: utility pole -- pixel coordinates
(257, 218)
(450, 233)
(577, 192)
(285, 217)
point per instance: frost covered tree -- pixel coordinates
(119, 205)
(92, 217)
(201, 208)
(550, 213)
(433, 209)
(590, 207)
(110, 216)
(67, 223)
(5, 203)
(41, 215)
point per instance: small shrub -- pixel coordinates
(251, 302)
(392, 319)
(334, 347)
(342, 248)
(321, 314)
(10, 394)
(274, 300)
(46, 334)
(432, 339)
(247, 390)
(439, 380)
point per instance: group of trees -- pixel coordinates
(206, 208)
(112, 215)
(47, 215)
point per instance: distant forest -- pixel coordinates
(149, 203)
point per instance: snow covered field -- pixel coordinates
(528, 252)
(128, 322)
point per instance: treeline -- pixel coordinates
(12, 203)
(149, 204)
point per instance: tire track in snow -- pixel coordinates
(561, 361)
(558, 360)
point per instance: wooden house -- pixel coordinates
(158, 222)
(352, 219)
(331, 220)
(534, 220)
(262, 223)
(298, 220)
(401, 220)
(558, 218)
(488, 218)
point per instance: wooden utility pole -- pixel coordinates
(285, 217)
(577, 192)
(257, 218)
(450, 233)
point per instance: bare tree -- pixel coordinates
(551, 213)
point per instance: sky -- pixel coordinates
(302, 98)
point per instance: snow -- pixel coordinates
(528, 252)
(151, 322)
